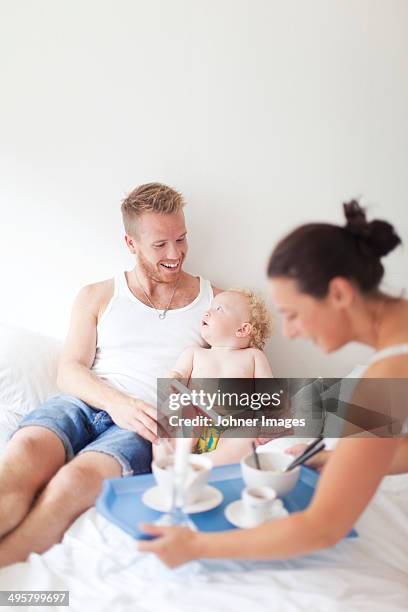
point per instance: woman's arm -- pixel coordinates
(399, 463)
(346, 486)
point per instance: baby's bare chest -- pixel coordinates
(210, 364)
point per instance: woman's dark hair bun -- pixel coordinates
(375, 238)
(314, 253)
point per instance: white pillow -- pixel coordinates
(28, 370)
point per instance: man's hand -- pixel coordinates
(137, 416)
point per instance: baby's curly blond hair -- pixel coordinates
(260, 318)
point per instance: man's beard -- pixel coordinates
(153, 271)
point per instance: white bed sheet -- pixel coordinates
(100, 566)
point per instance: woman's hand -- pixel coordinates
(317, 462)
(173, 545)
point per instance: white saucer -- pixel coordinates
(210, 498)
(236, 514)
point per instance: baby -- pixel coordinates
(236, 327)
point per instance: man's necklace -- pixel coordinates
(162, 315)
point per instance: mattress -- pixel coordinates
(101, 567)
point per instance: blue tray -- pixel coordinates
(121, 500)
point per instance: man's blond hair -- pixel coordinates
(260, 318)
(151, 197)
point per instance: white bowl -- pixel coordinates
(271, 473)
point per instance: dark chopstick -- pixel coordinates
(307, 449)
(311, 445)
(305, 456)
(258, 465)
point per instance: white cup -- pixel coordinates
(271, 473)
(196, 478)
(258, 503)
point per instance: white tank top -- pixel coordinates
(134, 347)
(389, 351)
(346, 391)
(392, 351)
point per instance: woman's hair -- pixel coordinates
(315, 253)
(260, 318)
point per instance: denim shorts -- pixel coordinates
(82, 428)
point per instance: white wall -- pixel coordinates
(265, 113)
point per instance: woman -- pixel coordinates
(325, 280)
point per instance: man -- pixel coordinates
(124, 333)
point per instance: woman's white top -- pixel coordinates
(134, 347)
(389, 351)
(346, 391)
(392, 351)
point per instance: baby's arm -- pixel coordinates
(182, 370)
(184, 365)
(262, 368)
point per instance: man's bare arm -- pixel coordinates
(76, 378)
